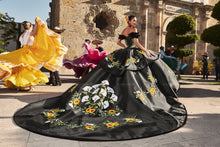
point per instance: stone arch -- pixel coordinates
(165, 24)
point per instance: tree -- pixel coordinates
(8, 26)
(212, 34)
(1, 42)
(179, 28)
(180, 34)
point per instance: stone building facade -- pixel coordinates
(105, 19)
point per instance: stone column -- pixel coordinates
(159, 23)
(205, 24)
(196, 14)
(146, 7)
(163, 38)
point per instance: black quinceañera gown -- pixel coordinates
(127, 96)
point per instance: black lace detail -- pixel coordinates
(134, 35)
(130, 35)
(121, 37)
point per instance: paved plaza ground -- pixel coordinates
(202, 129)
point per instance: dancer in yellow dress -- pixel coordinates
(41, 47)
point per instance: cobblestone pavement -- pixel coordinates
(201, 98)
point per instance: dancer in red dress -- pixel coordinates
(81, 65)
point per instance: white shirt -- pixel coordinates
(26, 39)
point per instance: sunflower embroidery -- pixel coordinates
(76, 102)
(151, 78)
(112, 111)
(110, 57)
(141, 51)
(111, 124)
(152, 91)
(49, 115)
(130, 120)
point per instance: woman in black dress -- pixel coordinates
(131, 94)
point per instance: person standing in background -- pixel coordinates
(54, 76)
(205, 65)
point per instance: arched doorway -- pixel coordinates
(165, 31)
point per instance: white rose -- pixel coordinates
(87, 88)
(105, 82)
(85, 98)
(110, 90)
(95, 86)
(103, 92)
(138, 92)
(105, 104)
(117, 114)
(71, 105)
(94, 92)
(114, 97)
(95, 98)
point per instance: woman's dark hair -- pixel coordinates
(87, 40)
(130, 17)
(162, 48)
(25, 24)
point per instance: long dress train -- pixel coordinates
(21, 68)
(127, 96)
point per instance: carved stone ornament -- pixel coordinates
(101, 22)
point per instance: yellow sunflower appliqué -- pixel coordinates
(116, 124)
(141, 51)
(133, 59)
(114, 63)
(89, 127)
(112, 111)
(55, 110)
(110, 57)
(72, 88)
(151, 78)
(76, 102)
(50, 115)
(89, 110)
(112, 124)
(130, 120)
(109, 125)
(152, 91)
(141, 96)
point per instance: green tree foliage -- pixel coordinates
(184, 52)
(216, 52)
(182, 40)
(179, 36)
(182, 24)
(8, 26)
(216, 11)
(1, 42)
(212, 34)
(179, 30)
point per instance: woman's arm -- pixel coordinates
(120, 44)
(34, 32)
(141, 47)
(119, 40)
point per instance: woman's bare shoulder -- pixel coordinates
(128, 30)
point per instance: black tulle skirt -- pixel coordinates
(127, 96)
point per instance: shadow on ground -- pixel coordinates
(198, 92)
